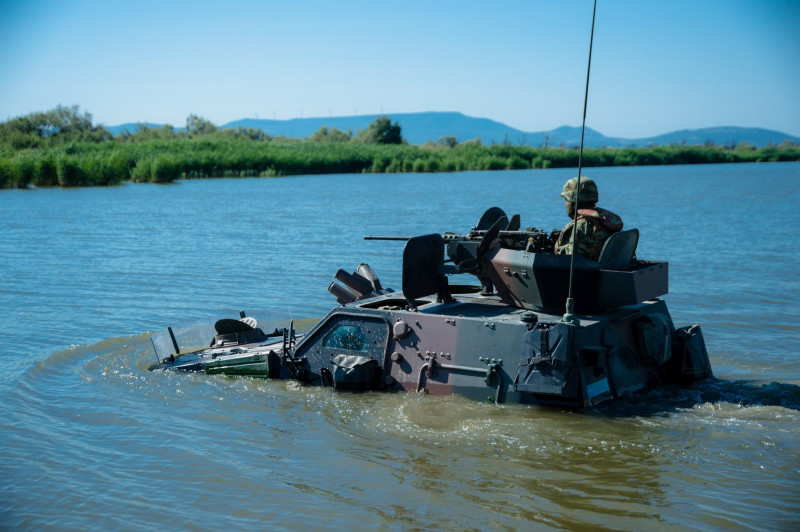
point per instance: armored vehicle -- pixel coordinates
(504, 338)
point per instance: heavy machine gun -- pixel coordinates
(495, 224)
(424, 271)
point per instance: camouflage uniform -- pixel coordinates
(594, 225)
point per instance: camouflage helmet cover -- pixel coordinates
(588, 193)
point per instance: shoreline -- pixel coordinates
(81, 164)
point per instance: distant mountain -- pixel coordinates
(419, 128)
(721, 136)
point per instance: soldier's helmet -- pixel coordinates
(588, 193)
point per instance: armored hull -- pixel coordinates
(502, 339)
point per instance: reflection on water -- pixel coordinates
(91, 439)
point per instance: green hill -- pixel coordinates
(419, 128)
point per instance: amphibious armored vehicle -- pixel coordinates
(503, 339)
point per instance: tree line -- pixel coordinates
(62, 147)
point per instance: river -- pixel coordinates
(92, 440)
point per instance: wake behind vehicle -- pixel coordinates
(503, 339)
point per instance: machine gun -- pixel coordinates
(464, 250)
(425, 271)
(530, 239)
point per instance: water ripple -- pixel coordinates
(92, 440)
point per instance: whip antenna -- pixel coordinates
(569, 316)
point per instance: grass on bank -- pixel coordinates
(161, 161)
(62, 148)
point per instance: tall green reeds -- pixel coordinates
(163, 160)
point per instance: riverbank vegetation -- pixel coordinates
(63, 148)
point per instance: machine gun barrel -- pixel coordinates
(472, 235)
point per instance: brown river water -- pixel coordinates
(92, 440)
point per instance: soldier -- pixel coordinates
(594, 225)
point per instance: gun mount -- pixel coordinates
(521, 266)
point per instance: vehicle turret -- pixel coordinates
(521, 266)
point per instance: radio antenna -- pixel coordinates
(569, 316)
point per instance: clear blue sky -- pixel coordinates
(658, 65)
